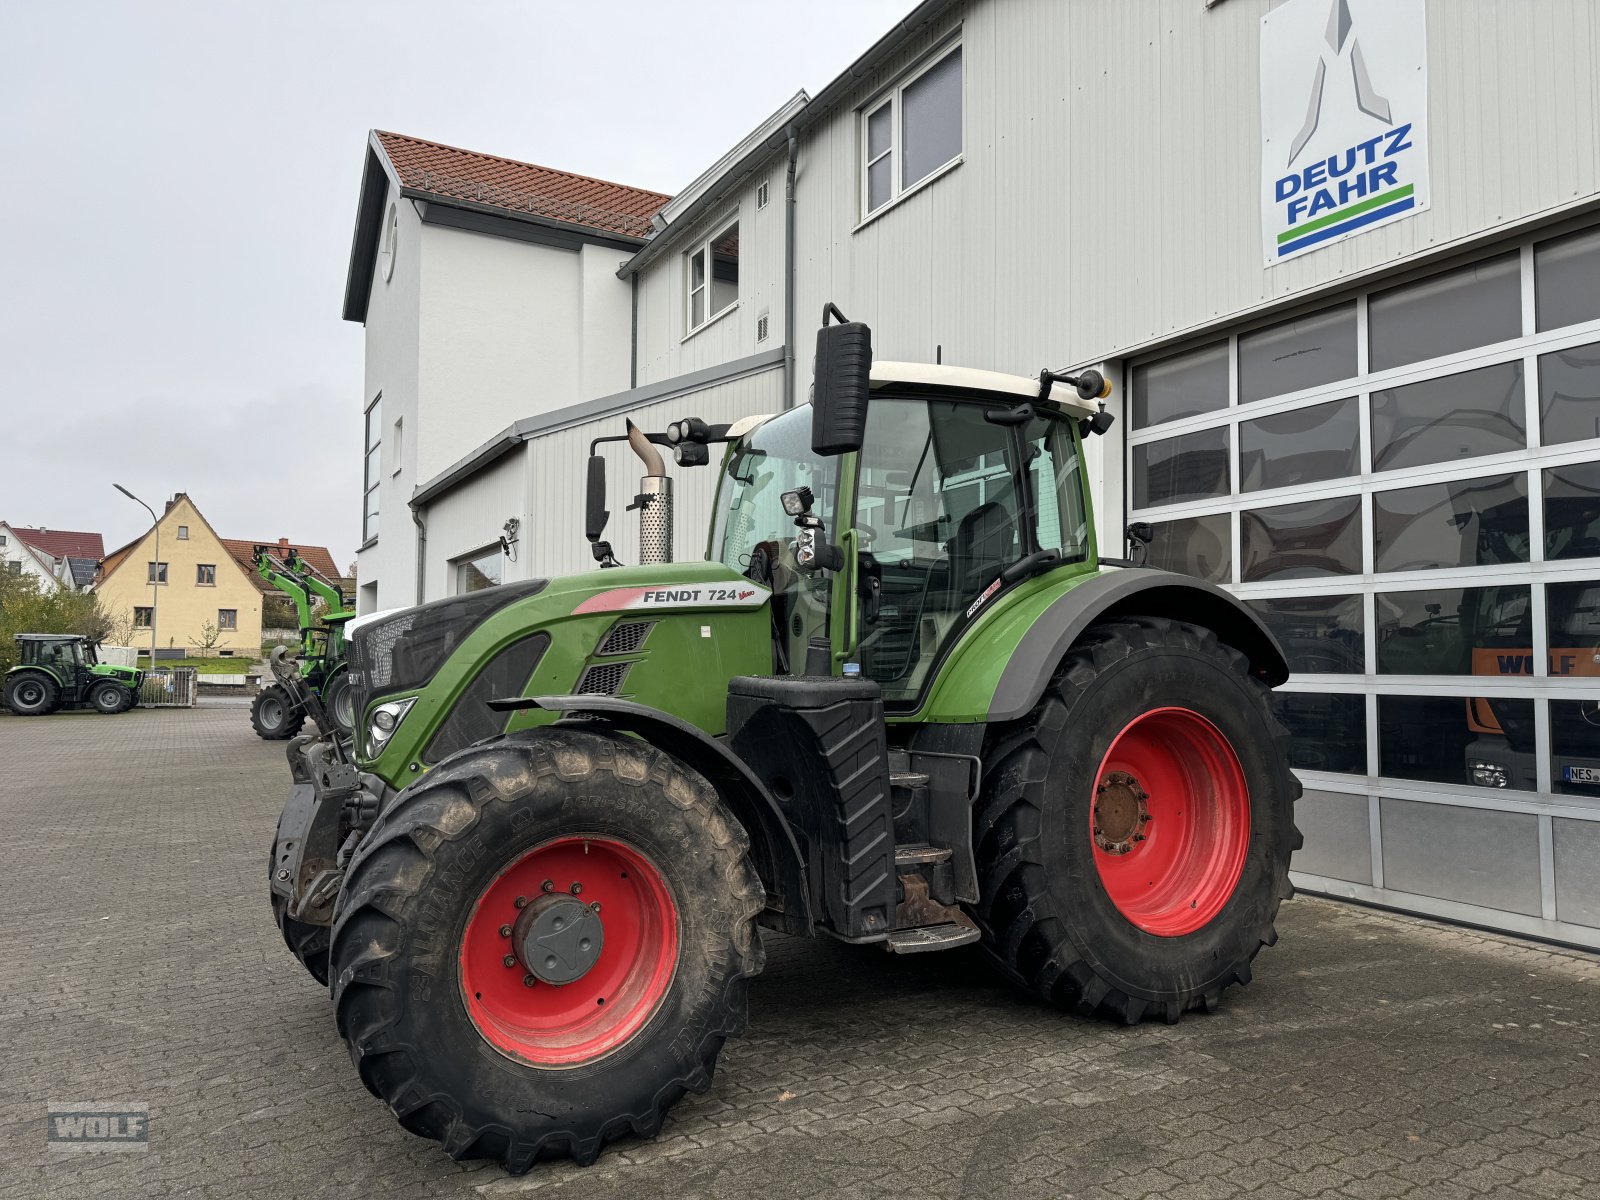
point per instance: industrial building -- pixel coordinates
(1341, 258)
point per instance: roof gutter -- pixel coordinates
(789, 381)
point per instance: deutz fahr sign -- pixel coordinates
(1344, 120)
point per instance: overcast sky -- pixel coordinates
(179, 191)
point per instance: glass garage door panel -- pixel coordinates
(1319, 635)
(1305, 445)
(1575, 747)
(1464, 523)
(1443, 314)
(1198, 546)
(1572, 511)
(1184, 385)
(1301, 541)
(1569, 393)
(1565, 271)
(1429, 737)
(1292, 356)
(1327, 732)
(1459, 416)
(1456, 631)
(1171, 471)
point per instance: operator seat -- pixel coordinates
(981, 548)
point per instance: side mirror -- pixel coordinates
(842, 379)
(595, 515)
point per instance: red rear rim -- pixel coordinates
(1170, 821)
(577, 1021)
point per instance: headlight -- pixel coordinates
(384, 721)
(1488, 774)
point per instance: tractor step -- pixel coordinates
(915, 853)
(930, 937)
(908, 779)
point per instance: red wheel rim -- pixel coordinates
(571, 1023)
(1170, 822)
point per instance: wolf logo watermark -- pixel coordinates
(94, 1126)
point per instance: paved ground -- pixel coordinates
(1374, 1056)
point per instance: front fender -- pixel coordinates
(773, 848)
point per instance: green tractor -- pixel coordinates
(903, 703)
(275, 713)
(62, 670)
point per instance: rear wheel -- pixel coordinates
(1135, 830)
(108, 697)
(32, 694)
(274, 715)
(544, 943)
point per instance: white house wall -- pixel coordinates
(665, 347)
(553, 537)
(468, 519)
(392, 324)
(1109, 193)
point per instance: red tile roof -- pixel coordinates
(63, 543)
(521, 187)
(244, 552)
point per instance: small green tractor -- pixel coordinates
(903, 703)
(275, 713)
(62, 670)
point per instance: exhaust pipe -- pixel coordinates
(654, 501)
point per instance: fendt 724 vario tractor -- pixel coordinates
(903, 703)
(63, 670)
(275, 713)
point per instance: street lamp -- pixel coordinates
(155, 572)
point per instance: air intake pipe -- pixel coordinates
(654, 501)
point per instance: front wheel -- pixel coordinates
(544, 943)
(1135, 830)
(31, 694)
(108, 698)
(274, 715)
(339, 702)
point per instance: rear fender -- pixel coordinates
(1128, 592)
(773, 848)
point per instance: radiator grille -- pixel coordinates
(625, 637)
(603, 679)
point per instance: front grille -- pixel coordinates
(406, 650)
(625, 637)
(603, 679)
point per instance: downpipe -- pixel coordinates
(654, 501)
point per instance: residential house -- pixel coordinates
(58, 558)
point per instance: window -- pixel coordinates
(1304, 445)
(142, 617)
(183, 533)
(15, 566)
(205, 575)
(1301, 541)
(1184, 385)
(1294, 355)
(1453, 417)
(1455, 631)
(1191, 467)
(1320, 635)
(372, 471)
(482, 570)
(2, 539)
(391, 242)
(1459, 310)
(712, 277)
(227, 618)
(1466, 523)
(762, 195)
(1569, 394)
(1572, 511)
(399, 441)
(1564, 271)
(155, 573)
(1198, 546)
(912, 132)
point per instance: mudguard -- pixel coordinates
(773, 848)
(1123, 592)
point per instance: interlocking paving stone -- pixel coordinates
(1374, 1056)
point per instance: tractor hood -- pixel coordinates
(669, 636)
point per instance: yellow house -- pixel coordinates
(198, 586)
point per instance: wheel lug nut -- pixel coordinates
(505, 931)
(521, 902)
(283, 874)
(527, 981)
(595, 905)
(576, 888)
(547, 886)
(510, 960)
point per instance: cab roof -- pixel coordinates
(51, 637)
(969, 379)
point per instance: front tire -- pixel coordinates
(32, 695)
(650, 875)
(108, 698)
(339, 702)
(274, 715)
(1135, 830)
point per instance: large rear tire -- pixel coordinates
(274, 715)
(338, 701)
(1135, 830)
(607, 867)
(32, 694)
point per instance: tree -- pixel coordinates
(210, 637)
(24, 608)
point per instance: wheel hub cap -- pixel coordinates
(558, 938)
(1120, 814)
